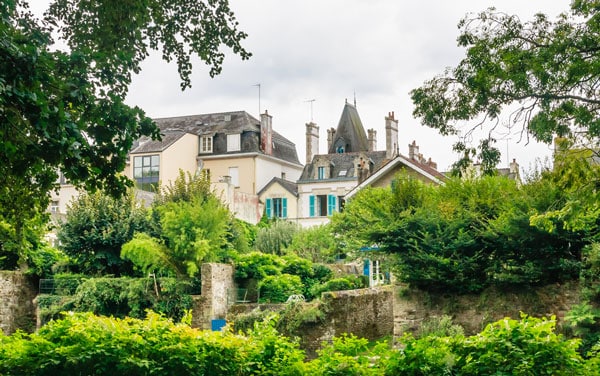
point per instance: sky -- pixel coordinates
(310, 56)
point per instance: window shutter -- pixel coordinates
(311, 206)
(330, 204)
(268, 207)
(284, 209)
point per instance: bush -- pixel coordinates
(275, 238)
(84, 344)
(256, 265)
(278, 288)
(119, 297)
(349, 282)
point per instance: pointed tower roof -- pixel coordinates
(350, 134)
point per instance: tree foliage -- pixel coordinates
(62, 109)
(316, 243)
(544, 71)
(88, 344)
(465, 235)
(95, 228)
(189, 225)
(275, 237)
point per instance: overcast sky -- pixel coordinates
(330, 51)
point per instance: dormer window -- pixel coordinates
(233, 142)
(321, 173)
(206, 144)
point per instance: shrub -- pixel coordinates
(84, 344)
(256, 265)
(120, 297)
(277, 288)
(275, 238)
(349, 282)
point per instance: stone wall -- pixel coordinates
(217, 286)
(17, 310)
(473, 312)
(366, 313)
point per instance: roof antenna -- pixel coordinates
(258, 98)
(311, 108)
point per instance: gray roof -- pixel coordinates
(350, 132)
(147, 145)
(290, 186)
(341, 163)
(173, 128)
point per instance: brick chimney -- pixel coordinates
(266, 133)
(372, 139)
(431, 164)
(391, 136)
(312, 141)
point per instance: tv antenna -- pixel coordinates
(311, 101)
(258, 97)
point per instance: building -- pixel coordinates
(237, 152)
(352, 157)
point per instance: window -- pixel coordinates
(341, 203)
(322, 205)
(321, 173)
(206, 144)
(276, 207)
(283, 175)
(233, 142)
(145, 172)
(235, 176)
(54, 208)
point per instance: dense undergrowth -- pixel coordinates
(85, 344)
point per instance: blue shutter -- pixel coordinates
(284, 209)
(268, 209)
(311, 206)
(330, 204)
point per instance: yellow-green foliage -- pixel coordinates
(84, 344)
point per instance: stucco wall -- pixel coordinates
(181, 155)
(277, 191)
(17, 310)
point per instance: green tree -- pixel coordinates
(466, 234)
(95, 228)
(62, 109)
(544, 71)
(316, 243)
(190, 225)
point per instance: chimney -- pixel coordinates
(312, 141)
(431, 164)
(413, 151)
(330, 135)
(391, 136)
(514, 167)
(266, 133)
(372, 139)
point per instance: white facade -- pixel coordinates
(314, 195)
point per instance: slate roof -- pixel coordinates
(173, 128)
(350, 132)
(341, 162)
(290, 186)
